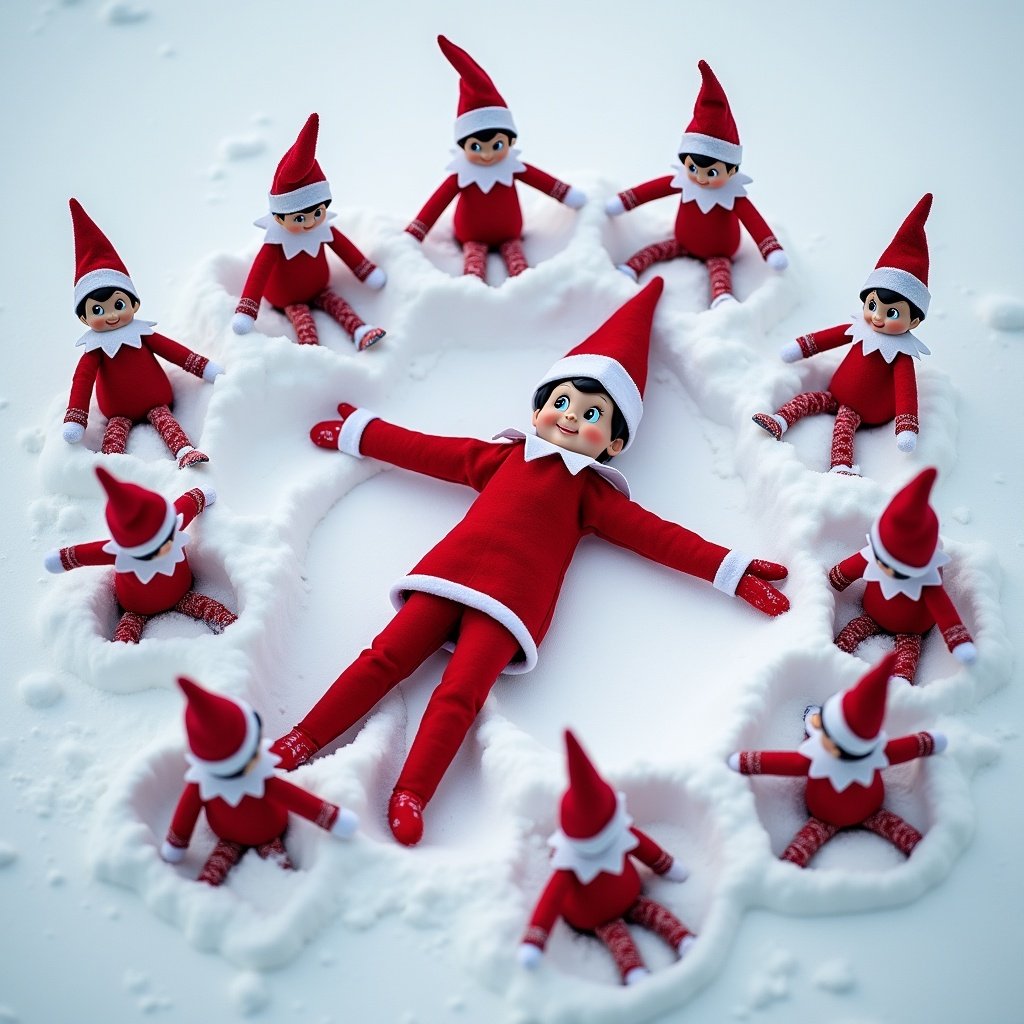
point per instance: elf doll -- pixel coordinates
(713, 202)
(876, 382)
(490, 586)
(147, 551)
(902, 565)
(291, 270)
(120, 353)
(596, 887)
(231, 777)
(843, 757)
(484, 175)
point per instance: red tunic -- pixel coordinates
(161, 593)
(489, 217)
(588, 905)
(130, 383)
(703, 235)
(256, 820)
(854, 804)
(283, 282)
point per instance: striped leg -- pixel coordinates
(225, 856)
(847, 422)
(810, 403)
(892, 827)
(908, 653)
(206, 609)
(658, 919)
(615, 935)
(275, 851)
(129, 629)
(855, 632)
(115, 437)
(658, 252)
(300, 316)
(515, 259)
(719, 278)
(474, 259)
(808, 841)
(174, 437)
(363, 334)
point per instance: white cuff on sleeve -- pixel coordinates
(352, 431)
(730, 572)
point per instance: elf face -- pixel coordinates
(714, 176)
(296, 223)
(577, 421)
(487, 154)
(827, 742)
(888, 317)
(109, 314)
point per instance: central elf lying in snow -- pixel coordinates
(491, 585)
(596, 887)
(843, 757)
(147, 551)
(231, 777)
(712, 200)
(485, 171)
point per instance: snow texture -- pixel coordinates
(1003, 312)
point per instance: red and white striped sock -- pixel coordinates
(810, 403)
(719, 276)
(339, 311)
(892, 827)
(650, 914)
(174, 437)
(515, 259)
(206, 609)
(474, 259)
(847, 422)
(808, 841)
(275, 851)
(115, 437)
(129, 629)
(908, 654)
(855, 632)
(226, 854)
(657, 252)
(615, 935)
(300, 316)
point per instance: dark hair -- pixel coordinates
(487, 134)
(888, 296)
(259, 728)
(101, 295)
(844, 755)
(152, 554)
(589, 386)
(706, 161)
(308, 209)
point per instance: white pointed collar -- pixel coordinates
(146, 568)
(889, 345)
(911, 587)
(537, 448)
(841, 772)
(130, 335)
(707, 198)
(485, 178)
(587, 858)
(292, 244)
(235, 789)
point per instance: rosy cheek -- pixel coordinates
(549, 417)
(592, 436)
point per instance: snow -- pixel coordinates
(659, 676)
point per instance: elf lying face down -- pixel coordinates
(489, 588)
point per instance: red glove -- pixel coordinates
(325, 434)
(762, 595)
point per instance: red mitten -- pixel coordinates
(345, 410)
(763, 596)
(767, 570)
(326, 433)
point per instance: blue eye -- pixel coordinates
(592, 415)
(319, 213)
(561, 403)
(892, 313)
(119, 305)
(476, 147)
(300, 218)
(498, 147)
(712, 173)
(97, 311)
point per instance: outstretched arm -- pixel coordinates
(905, 381)
(76, 419)
(77, 555)
(920, 744)
(433, 208)
(183, 823)
(545, 914)
(175, 352)
(808, 345)
(658, 859)
(769, 762)
(757, 226)
(631, 198)
(192, 503)
(252, 291)
(551, 186)
(954, 632)
(843, 573)
(364, 269)
(330, 817)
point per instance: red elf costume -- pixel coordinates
(843, 757)
(290, 270)
(491, 585)
(713, 202)
(147, 551)
(596, 887)
(231, 777)
(120, 353)
(876, 382)
(487, 214)
(902, 564)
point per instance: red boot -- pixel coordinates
(293, 749)
(405, 816)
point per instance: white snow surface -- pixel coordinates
(659, 675)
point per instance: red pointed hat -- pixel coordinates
(589, 803)
(616, 355)
(903, 267)
(481, 106)
(298, 181)
(906, 534)
(139, 520)
(712, 131)
(97, 264)
(853, 718)
(223, 732)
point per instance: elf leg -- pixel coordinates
(300, 316)
(658, 252)
(810, 403)
(483, 649)
(808, 841)
(206, 609)
(474, 259)
(129, 629)
(892, 827)
(174, 437)
(363, 334)
(115, 437)
(847, 422)
(225, 856)
(908, 653)
(855, 632)
(652, 915)
(615, 935)
(719, 279)
(514, 257)
(275, 851)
